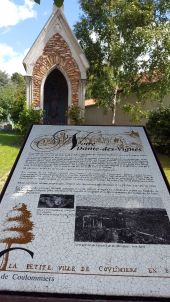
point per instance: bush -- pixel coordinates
(158, 127)
(28, 117)
(75, 114)
(15, 110)
(12, 97)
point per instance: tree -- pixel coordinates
(13, 105)
(17, 228)
(12, 97)
(58, 3)
(158, 126)
(4, 79)
(18, 80)
(7, 97)
(18, 103)
(128, 46)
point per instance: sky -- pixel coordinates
(20, 23)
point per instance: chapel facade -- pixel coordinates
(56, 70)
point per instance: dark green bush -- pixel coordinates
(28, 117)
(75, 114)
(158, 127)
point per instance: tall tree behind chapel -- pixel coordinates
(128, 46)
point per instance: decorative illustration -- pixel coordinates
(56, 201)
(122, 225)
(17, 229)
(88, 140)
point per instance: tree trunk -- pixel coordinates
(114, 106)
(5, 259)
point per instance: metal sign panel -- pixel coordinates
(86, 211)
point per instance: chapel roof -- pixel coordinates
(57, 23)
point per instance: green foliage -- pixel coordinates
(4, 79)
(158, 127)
(136, 112)
(18, 82)
(75, 114)
(12, 98)
(13, 104)
(28, 117)
(15, 110)
(128, 46)
(18, 79)
(58, 3)
(7, 96)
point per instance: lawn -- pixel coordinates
(9, 147)
(165, 162)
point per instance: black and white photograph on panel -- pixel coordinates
(56, 201)
(122, 225)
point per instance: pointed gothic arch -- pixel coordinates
(55, 56)
(55, 98)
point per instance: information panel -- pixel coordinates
(86, 211)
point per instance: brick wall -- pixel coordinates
(56, 53)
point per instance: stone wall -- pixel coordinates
(56, 53)
(97, 116)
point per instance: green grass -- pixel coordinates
(10, 144)
(9, 147)
(165, 162)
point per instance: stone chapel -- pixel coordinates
(56, 69)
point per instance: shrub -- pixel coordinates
(28, 117)
(158, 127)
(75, 114)
(12, 97)
(16, 108)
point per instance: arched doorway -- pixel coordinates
(55, 98)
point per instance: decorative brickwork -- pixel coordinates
(56, 53)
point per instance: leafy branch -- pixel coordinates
(58, 3)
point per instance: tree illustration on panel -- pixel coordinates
(17, 228)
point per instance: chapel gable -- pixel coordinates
(56, 70)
